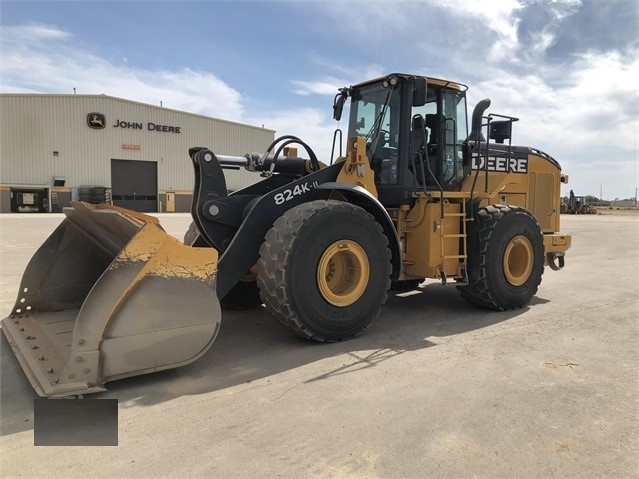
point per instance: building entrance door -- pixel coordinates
(170, 202)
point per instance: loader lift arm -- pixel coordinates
(236, 224)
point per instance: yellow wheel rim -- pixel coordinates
(518, 260)
(342, 273)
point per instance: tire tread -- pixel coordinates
(478, 291)
(274, 255)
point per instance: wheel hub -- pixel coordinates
(518, 260)
(343, 272)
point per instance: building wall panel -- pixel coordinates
(43, 136)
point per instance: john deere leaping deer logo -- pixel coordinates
(96, 120)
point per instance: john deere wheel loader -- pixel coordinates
(415, 196)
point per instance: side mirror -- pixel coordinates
(419, 91)
(338, 103)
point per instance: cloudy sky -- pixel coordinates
(568, 69)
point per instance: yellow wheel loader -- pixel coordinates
(416, 195)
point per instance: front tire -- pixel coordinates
(506, 258)
(324, 270)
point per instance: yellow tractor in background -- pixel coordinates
(416, 195)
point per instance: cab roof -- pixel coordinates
(430, 80)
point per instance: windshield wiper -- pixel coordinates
(377, 124)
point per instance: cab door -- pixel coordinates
(454, 133)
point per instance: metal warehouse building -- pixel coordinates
(59, 148)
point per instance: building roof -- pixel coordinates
(132, 102)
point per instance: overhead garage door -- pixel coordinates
(134, 184)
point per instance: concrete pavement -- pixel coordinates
(435, 388)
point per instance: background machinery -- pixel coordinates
(577, 205)
(416, 196)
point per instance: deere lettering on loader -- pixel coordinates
(416, 195)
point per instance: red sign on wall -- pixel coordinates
(128, 146)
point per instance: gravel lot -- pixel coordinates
(435, 388)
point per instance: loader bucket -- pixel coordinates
(110, 295)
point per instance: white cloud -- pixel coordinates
(582, 108)
(586, 117)
(564, 8)
(497, 15)
(327, 87)
(328, 84)
(58, 66)
(541, 41)
(348, 73)
(32, 32)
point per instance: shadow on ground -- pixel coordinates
(252, 345)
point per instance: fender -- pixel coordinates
(363, 198)
(243, 250)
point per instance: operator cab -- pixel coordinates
(415, 130)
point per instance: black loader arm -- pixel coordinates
(235, 224)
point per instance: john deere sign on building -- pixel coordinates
(58, 148)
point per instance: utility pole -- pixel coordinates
(600, 193)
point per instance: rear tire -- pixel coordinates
(324, 270)
(244, 295)
(505, 258)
